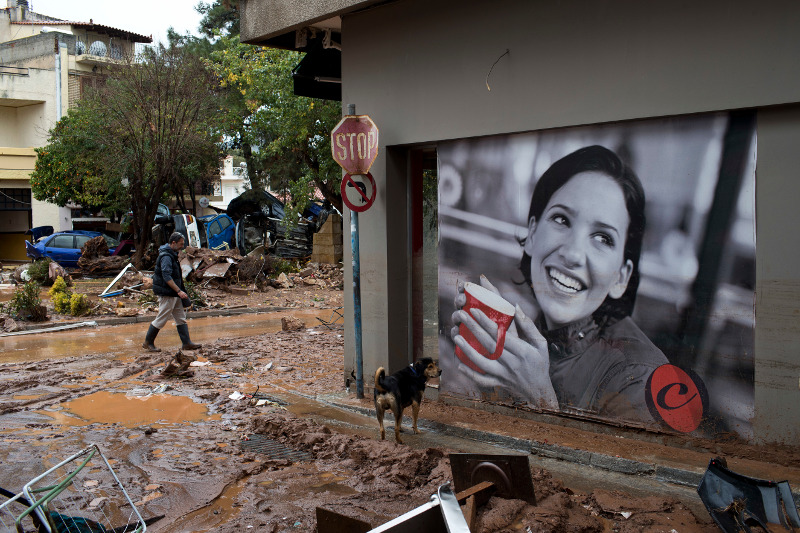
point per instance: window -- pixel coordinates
(224, 222)
(80, 240)
(62, 241)
(15, 199)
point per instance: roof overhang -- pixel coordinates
(310, 26)
(274, 22)
(89, 26)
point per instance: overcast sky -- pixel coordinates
(145, 17)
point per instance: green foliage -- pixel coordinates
(219, 17)
(276, 266)
(66, 302)
(148, 297)
(59, 287)
(284, 138)
(195, 295)
(25, 303)
(61, 302)
(60, 296)
(246, 368)
(68, 169)
(79, 305)
(155, 121)
(148, 130)
(39, 271)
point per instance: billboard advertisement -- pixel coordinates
(604, 272)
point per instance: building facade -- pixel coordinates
(46, 64)
(699, 98)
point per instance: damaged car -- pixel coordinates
(65, 247)
(259, 222)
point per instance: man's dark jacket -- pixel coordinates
(167, 267)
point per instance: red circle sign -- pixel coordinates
(358, 191)
(676, 397)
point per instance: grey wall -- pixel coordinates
(419, 69)
(777, 416)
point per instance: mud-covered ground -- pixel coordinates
(190, 465)
(183, 452)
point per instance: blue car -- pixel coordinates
(64, 247)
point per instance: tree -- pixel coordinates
(284, 138)
(158, 115)
(68, 171)
(220, 17)
(147, 131)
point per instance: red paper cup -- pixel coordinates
(499, 311)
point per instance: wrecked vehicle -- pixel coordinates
(252, 220)
(259, 222)
(65, 247)
(217, 232)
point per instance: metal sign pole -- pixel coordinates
(357, 304)
(351, 110)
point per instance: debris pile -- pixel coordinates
(201, 265)
(219, 269)
(321, 274)
(95, 258)
(179, 365)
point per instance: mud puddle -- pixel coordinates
(222, 510)
(130, 411)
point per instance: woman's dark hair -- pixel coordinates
(598, 159)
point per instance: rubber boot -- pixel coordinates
(150, 338)
(183, 333)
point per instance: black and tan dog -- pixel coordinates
(403, 388)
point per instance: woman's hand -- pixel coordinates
(523, 370)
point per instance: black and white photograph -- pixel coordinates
(604, 271)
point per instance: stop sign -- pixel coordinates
(354, 143)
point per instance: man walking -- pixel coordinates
(168, 286)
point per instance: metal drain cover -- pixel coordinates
(274, 449)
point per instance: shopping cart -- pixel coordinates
(81, 494)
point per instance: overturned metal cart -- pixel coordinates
(81, 494)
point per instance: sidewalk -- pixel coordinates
(664, 458)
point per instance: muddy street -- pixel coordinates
(200, 450)
(126, 339)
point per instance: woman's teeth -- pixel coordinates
(564, 282)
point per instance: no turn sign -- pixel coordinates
(358, 191)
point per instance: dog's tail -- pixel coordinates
(379, 375)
